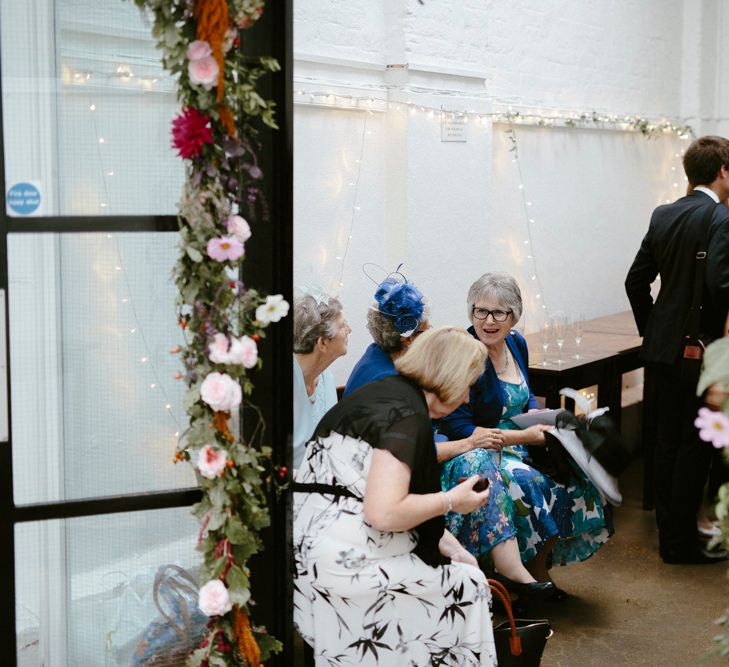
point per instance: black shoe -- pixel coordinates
(558, 595)
(535, 590)
(696, 556)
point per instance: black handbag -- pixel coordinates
(519, 642)
(694, 344)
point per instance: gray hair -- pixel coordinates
(499, 287)
(383, 331)
(314, 320)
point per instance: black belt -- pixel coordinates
(329, 489)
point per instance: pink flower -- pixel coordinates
(225, 248)
(213, 599)
(238, 227)
(198, 50)
(203, 72)
(244, 351)
(219, 349)
(713, 427)
(221, 392)
(190, 132)
(211, 461)
(233, 351)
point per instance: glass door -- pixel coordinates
(95, 523)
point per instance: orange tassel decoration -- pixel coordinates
(247, 644)
(220, 424)
(212, 24)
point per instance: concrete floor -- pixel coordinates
(627, 607)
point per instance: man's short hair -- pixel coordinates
(703, 159)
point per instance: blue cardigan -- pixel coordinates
(374, 364)
(486, 403)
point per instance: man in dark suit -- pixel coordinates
(669, 249)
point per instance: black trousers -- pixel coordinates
(681, 458)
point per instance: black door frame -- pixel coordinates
(269, 265)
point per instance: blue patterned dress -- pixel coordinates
(534, 507)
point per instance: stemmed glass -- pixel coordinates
(578, 320)
(545, 338)
(559, 326)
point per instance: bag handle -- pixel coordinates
(183, 584)
(514, 641)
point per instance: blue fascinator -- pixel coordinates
(401, 301)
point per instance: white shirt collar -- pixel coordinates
(709, 192)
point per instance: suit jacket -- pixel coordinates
(669, 249)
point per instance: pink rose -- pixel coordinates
(223, 248)
(213, 599)
(220, 392)
(198, 50)
(219, 350)
(203, 72)
(211, 461)
(239, 228)
(244, 351)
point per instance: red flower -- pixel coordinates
(190, 132)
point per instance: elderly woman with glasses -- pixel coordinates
(399, 314)
(554, 523)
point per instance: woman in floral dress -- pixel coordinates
(553, 522)
(378, 580)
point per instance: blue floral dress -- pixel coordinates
(534, 508)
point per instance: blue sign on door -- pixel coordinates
(23, 198)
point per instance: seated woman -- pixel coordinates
(378, 580)
(555, 523)
(397, 317)
(320, 337)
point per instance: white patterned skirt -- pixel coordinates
(362, 598)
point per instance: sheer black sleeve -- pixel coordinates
(403, 439)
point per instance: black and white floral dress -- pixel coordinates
(364, 597)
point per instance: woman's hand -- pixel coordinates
(534, 435)
(450, 547)
(487, 438)
(464, 499)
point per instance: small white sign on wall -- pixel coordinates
(24, 198)
(452, 126)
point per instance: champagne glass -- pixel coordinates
(559, 326)
(578, 320)
(545, 338)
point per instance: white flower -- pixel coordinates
(213, 599)
(211, 461)
(238, 227)
(273, 310)
(221, 392)
(219, 349)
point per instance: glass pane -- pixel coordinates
(86, 111)
(85, 588)
(96, 409)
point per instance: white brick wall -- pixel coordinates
(452, 211)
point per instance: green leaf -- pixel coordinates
(236, 532)
(194, 254)
(239, 596)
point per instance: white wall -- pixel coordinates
(451, 211)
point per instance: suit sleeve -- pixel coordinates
(717, 266)
(638, 283)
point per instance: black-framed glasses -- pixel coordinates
(497, 315)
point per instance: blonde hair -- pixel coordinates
(444, 361)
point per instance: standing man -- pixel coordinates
(669, 249)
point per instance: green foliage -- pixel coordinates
(212, 301)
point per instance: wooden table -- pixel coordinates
(610, 347)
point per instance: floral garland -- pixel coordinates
(222, 318)
(713, 426)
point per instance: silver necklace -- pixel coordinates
(506, 363)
